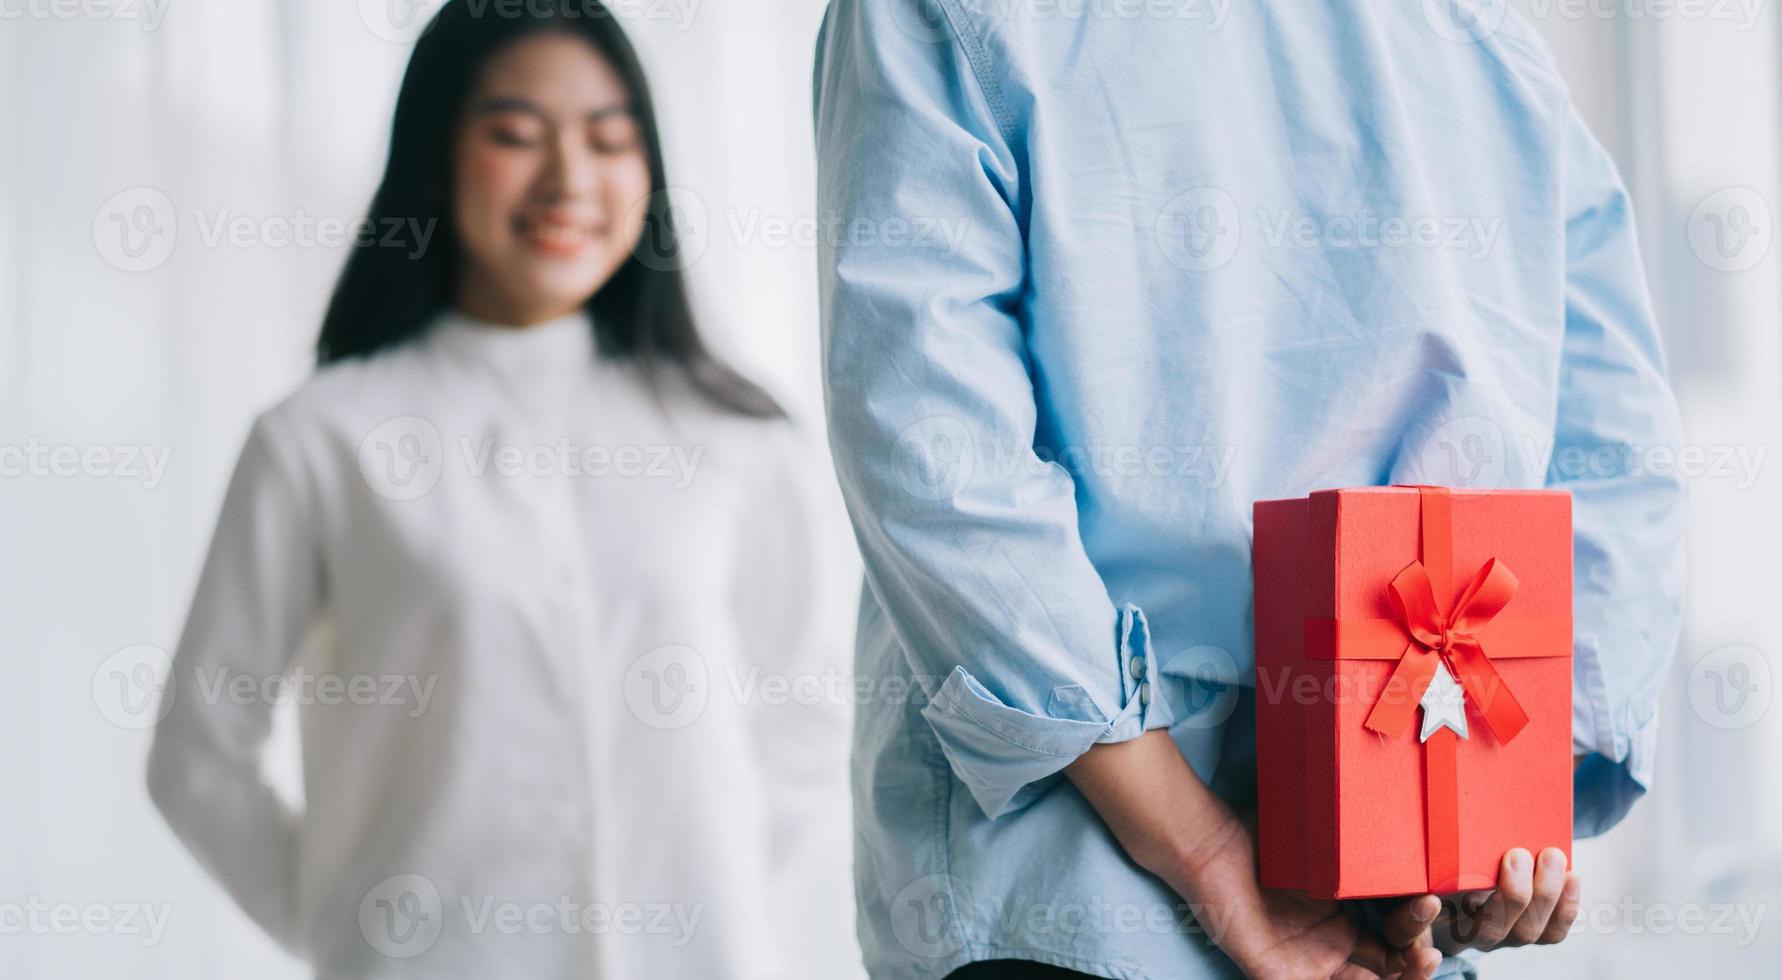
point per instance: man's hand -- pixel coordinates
(1287, 934)
(1174, 827)
(1534, 902)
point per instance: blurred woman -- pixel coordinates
(559, 551)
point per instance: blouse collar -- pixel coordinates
(560, 344)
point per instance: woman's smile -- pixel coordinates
(556, 233)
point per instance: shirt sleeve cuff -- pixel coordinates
(1618, 758)
(1003, 752)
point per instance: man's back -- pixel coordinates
(1202, 254)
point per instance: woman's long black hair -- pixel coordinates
(387, 295)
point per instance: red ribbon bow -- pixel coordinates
(1452, 637)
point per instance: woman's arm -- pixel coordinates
(256, 597)
(796, 592)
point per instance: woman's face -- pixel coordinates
(551, 179)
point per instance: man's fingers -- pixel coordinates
(1369, 954)
(1416, 964)
(1480, 920)
(1501, 908)
(1351, 971)
(1549, 881)
(1409, 922)
(1570, 901)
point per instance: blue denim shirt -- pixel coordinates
(1097, 275)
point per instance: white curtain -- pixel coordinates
(174, 178)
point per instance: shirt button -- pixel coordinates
(1137, 668)
(1145, 694)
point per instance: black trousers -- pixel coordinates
(1013, 970)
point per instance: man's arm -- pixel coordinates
(970, 541)
(1160, 811)
(1628, 520)
(1171, 825)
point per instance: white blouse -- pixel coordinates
(569, 706)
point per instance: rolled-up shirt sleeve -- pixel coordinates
(1615, 407)
(970, 540)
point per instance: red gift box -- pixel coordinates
(1386, 612)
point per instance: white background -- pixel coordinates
(274, 110)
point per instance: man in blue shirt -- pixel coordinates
(1206, 253)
